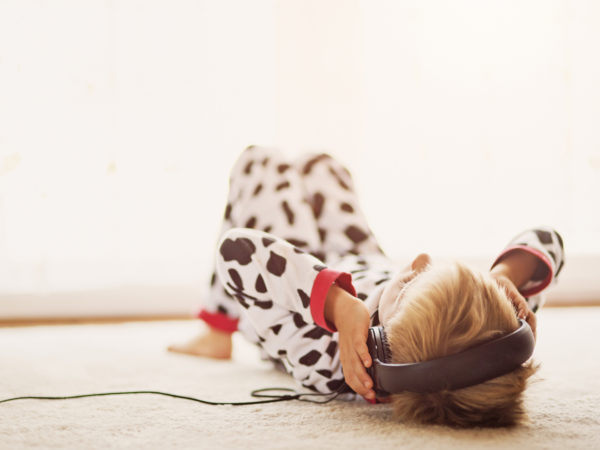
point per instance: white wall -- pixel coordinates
(119, 121)
(463, 123)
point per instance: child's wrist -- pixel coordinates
(503, 270)
(338, 303)
(518, 266)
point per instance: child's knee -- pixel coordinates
(249, 158)
(323, 164)
(237, 244)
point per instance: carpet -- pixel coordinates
(563, 404)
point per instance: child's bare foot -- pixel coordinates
(211, 344)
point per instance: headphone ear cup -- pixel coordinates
(379, 349)
(385, 348)
(372, 347)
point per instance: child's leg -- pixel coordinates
(329, 189)
(264, 193)
(272, 281)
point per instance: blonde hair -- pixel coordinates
(450, 308)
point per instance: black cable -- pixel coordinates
(257, 393)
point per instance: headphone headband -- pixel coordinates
(466, 368)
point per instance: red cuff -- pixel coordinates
(540, 287)
(320, 288)
(219, 321)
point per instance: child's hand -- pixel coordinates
(512, 272)
(518, 301)
(351, 318)
(353, 327)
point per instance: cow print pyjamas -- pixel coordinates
(291, 230)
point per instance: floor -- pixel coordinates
(563, 405)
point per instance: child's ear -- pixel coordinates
(421, 262)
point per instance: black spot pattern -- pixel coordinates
(282, 352)
(559, 268)
(297, 242)
(544, 236)
(325, 373)
(319, 255)
(251, 222)
(267, 229)
(265, 161)
(347, 207)
(228, 211)
(383, 280)
(239, 291)
(227, 294)
(267, 241)
(257, 189)
(560, 240)
(319, 267)
(339, 179)
(248, 168)
(316, 333)
(282, 185)
(298, 320)
(289, 214)
(282, 167)
(355, 234)
(221, 309)
(240, 250)
(310, 163)
(322, 234)
(304, 297)
(259, 285)
(235, 277)
(242, 301)
(334, 385)
(276, 328)
(310, 359)
(362, 295)
(213, 279)
(263, 304)
(332, 349)
(317, 202)
(276, 264)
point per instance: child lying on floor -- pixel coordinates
(300, 274)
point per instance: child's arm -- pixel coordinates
(546, 246)
(351, 318)
(530, 262)
(513, 272)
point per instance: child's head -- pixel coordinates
(448, 308)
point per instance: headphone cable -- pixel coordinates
(269, 395)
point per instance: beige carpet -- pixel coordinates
(564, 406)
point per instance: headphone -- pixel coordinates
(472, 366)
